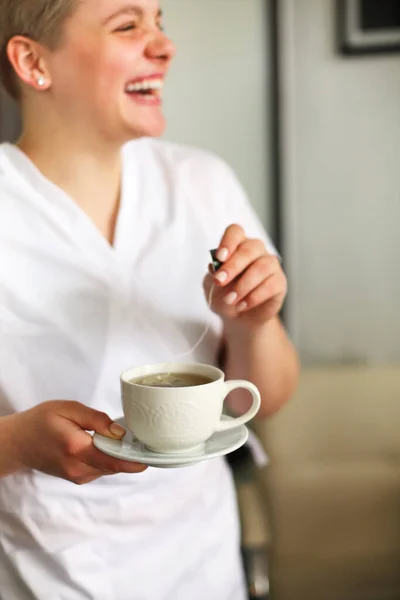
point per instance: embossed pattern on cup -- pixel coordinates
(176, 423)
(179, 419)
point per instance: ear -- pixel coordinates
(27, 58)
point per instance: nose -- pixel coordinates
(161, 48)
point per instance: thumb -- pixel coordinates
(92, 420)
(208, 282)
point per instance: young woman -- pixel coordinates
(104, 234)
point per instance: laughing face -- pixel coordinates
(110, 69)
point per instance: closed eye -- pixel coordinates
(131, 26)
(127, 27)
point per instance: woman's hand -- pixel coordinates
(250, 287)
(53, 438)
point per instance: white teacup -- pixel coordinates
(180, 419)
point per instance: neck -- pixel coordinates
(87, 169)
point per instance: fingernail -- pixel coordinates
(221, 276)
(117, 430)
(231, 298)
(242, 306)
(222, 254)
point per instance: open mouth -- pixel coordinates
(150, 88)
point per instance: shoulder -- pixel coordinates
(187, 162)
(199, 183)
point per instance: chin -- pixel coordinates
(150, 128)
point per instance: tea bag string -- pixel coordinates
(203, 335)
(215, 265)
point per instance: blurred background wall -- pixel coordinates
(9, 118)
(333, 484)
(342, 202)
(217, 95)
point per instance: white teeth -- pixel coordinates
(151, 84)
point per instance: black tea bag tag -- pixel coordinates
(215, 262)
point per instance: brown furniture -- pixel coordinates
(330, 500)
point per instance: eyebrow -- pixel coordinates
(130, 9)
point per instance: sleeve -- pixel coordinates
(235, 207)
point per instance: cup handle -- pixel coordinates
(253, 410)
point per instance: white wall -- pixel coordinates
(342, 147)
(217, 93)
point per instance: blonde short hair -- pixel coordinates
(40, 20)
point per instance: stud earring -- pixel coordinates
(41, 81)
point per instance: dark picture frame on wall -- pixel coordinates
(368, 27)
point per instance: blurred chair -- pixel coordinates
(256, 535)
(329, 502)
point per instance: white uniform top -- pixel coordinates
(74, 313)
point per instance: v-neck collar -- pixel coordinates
(75, 222)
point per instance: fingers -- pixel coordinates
(260, 282)
(234, 235)
(85, 459)
(108, 465)
(247, 252)
(254, 277)
(268, 294)
(208, 282)
(249, 278)
(58, 431)
(79, 472)
(91, 420)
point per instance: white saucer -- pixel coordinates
(129, 448)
